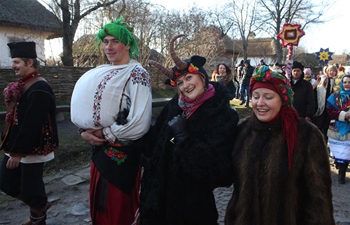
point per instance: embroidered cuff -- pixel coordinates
(81, 130)
(341, 116)
(109, 136)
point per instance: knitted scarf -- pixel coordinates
(222, 78)
(189, 106)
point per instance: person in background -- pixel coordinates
(304, 100)
(236, 83)
(276, 68)
(308, 76)
(280, 162)
(191, 143)
(30, 136)
(223, 75)
(247, 74)
(239, 76)
(262, 63)
(112, 106)
(240, 69)
(347, 70)
(324, 88)
(337, 79)
(338, 105)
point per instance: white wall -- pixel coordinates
(254, 61)
(9, 33)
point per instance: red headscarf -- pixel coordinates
(266, 78)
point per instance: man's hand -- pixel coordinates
(90, 137)
(13, 162)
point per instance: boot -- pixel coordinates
(342, 172)
(38, 215)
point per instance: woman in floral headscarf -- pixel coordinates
(338, 105)
(191, 147)
(280, 162)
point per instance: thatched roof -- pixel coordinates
(29, 14)
(258, 47)
(340, 59)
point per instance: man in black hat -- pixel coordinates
(304, 100)
(30, 136)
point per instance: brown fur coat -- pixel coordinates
(265, 192)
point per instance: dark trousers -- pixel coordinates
(24, 182)
(244, 93)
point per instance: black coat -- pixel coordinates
(304, 100)
(178, 180)
(36, 130)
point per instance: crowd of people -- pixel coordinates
(277, 159)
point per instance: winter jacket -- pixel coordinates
(265, 191)
(179, 179)
(304, 100)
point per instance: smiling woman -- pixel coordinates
(338, 105)
(274, 156)
(189, 152)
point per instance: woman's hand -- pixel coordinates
(347, 116)
(93, 137)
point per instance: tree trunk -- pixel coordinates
(67, 58)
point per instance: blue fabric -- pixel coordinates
(341, 101)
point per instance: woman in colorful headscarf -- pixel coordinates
(338, 105)
(280, 162)
(191, 147)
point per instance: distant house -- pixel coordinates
(258, 48)
(26, 20)
(343, 59)
(233, 49)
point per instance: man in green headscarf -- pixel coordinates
(112, 106)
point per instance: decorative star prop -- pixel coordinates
(290, 34)
(324, 55)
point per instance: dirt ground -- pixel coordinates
(71, 203)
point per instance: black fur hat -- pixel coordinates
(22, 50)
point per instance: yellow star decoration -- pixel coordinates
(324, 55)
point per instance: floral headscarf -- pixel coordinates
(280, 82)
(289, 116)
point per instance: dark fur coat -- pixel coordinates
(178, 180)
(265, 192)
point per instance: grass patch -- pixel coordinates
(242, 111)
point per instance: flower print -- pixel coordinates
(193, 69)
(110, 152)
(120, 155)
(116, 155)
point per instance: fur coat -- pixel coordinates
(265, 192)
(178, 180)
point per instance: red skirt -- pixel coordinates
(120, 208)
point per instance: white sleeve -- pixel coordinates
(139, 92)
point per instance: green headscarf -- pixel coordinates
(120, 30)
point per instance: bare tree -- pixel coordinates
(72, 12)
(246, 20)
(278, 12)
